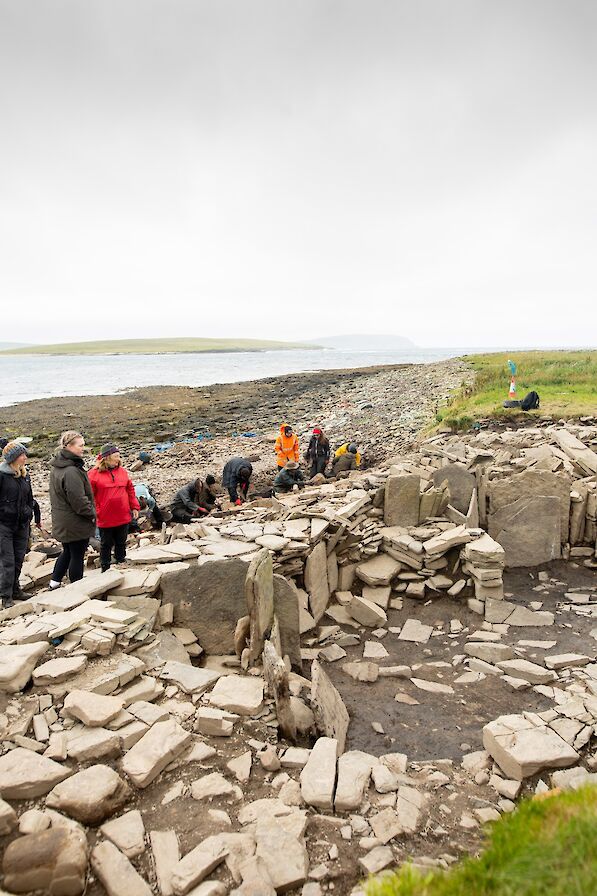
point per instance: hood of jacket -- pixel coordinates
(65, 458)
(6, 468)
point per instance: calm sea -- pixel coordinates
(26, 377)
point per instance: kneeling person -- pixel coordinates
(194, 500)
(289, 476)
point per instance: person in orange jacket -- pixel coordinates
(287, 446)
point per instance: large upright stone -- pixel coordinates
(330, 711)
(25, 775)
(529, 484)
(318, 777)
(354, 772)
(17, 662)
(316, 580)
(286, 611)
(529, 530)
(259, 597)
(460, 482)
(401, 503)
(209, 599)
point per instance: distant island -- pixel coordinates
(365, 342)
(5, 346)
(158, 346)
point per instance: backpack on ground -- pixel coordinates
(530, 402)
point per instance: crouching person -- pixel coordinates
(289, 477)
(194, 500)
(116, 503)
(150, 515)
(16, 513)
(236, 478)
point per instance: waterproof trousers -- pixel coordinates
(13, 547)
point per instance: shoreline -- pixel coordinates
(153, 414)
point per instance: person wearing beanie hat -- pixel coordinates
(116, 504)
(318, 451)
(17, 508)
(73, 509)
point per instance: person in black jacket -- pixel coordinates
(17, 509)
(194, 500)
(318, 452)
(236, 478)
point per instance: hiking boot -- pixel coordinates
(7, 603)
(17, 594)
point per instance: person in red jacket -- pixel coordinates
(115, 504)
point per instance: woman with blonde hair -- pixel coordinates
(16, 512)
(116, 504)
(73, 509)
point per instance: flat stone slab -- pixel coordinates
(93, 710)
(151, 754)
(522, 749)
(378, 571)
(367, 613)
(127, 833)
(318, 777)
(58, 670)
(91, 795)
(191, 679)
(238, 694)
(531, 672)
(416, 631)
(197, 864)
(116, 873)
(25, 775)
(17, 663)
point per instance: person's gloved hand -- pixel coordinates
(238, 502)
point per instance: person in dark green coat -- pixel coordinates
(73, 508)
(289, 476)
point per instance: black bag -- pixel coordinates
(509, 403)
(530, 402)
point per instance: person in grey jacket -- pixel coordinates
(73, 508)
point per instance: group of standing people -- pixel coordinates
(80, 502)
(105, 499)
(317, 456)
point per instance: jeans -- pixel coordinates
(113, 537)
(13, 547)
(72, 559)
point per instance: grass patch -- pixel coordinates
(566, 383)
(545, 848)
(156, 346)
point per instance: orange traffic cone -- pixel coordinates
(512, 392)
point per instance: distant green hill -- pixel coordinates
(156, 346)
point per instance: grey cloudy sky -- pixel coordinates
(296, 168)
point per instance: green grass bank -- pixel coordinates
(546, 847)
(156, 346)
(565, 380)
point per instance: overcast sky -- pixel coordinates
(299, 168)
